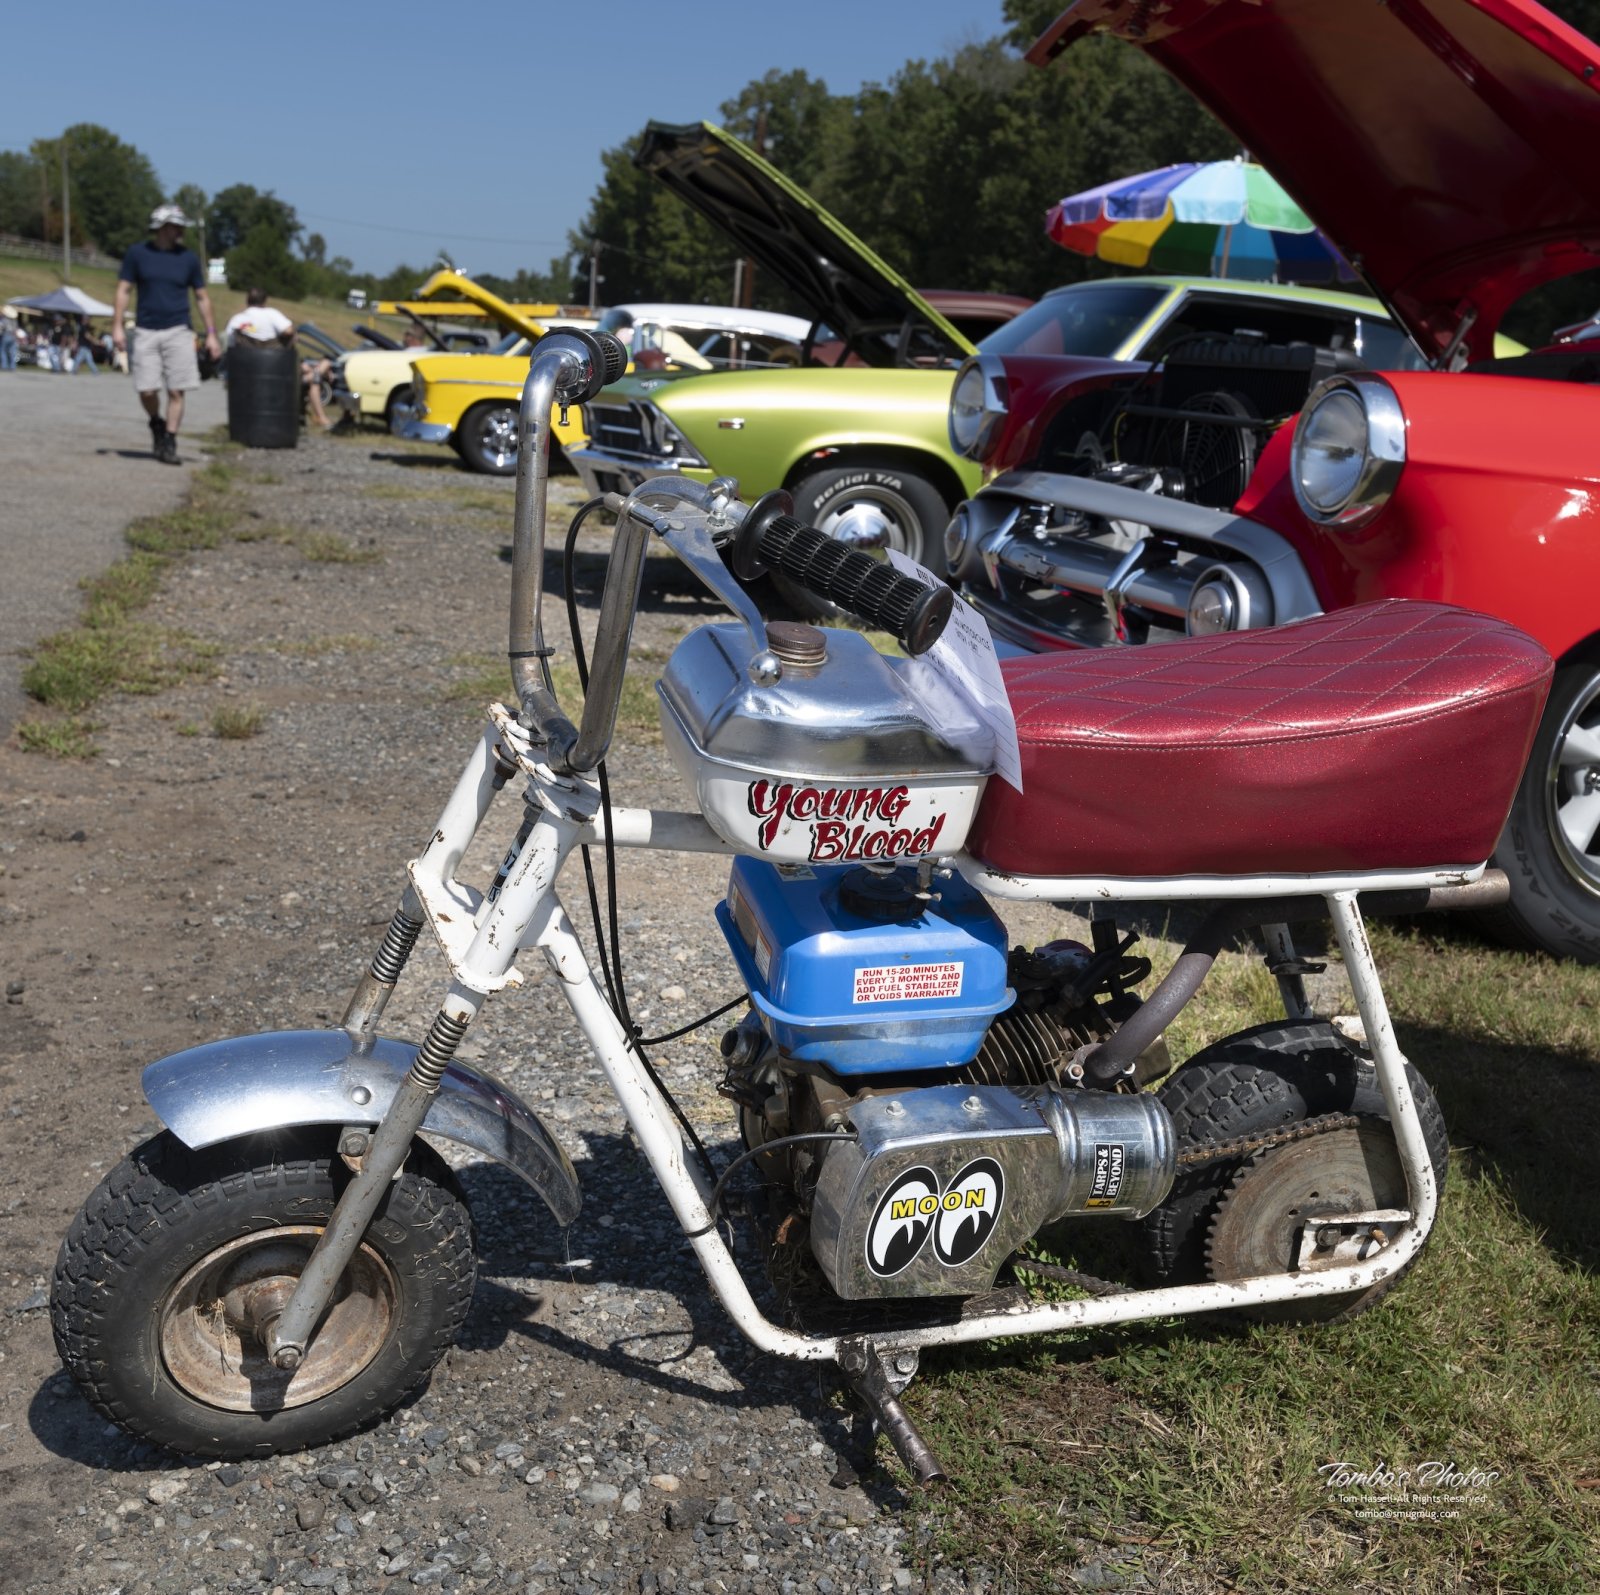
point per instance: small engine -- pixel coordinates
(942, 1184)
(885, 1004)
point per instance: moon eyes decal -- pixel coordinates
(967, 1212)
(960, 1217)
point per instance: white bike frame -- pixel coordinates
(481, 939)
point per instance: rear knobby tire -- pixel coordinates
(1267, 1078)
(149, 1284)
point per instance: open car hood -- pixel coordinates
(1446, 146)
(837, 278)
(451, 286)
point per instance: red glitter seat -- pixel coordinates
(1387, 736)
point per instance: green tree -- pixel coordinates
(114, 186)
(263, 260)
(238, 210)
(21, 195)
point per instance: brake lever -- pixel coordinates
(687, 522)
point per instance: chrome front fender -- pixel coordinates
(283, 1078)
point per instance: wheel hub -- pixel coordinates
(1315, 1206)
(862, 525)
(1573, 789)
(215, 1323)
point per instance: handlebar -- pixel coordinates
(872, 590)
(569, 367)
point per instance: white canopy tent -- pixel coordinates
(68, 301)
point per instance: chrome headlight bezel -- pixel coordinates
(978, 407)
(665, 438)
(1382, 457)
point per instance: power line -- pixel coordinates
(434, 233)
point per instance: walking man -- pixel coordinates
(164, 272)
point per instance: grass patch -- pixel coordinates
(111, 649)
(329, 548)
(66, 737)
(1194, 1445)
(488, 680)
(318, 647)
(238, 722)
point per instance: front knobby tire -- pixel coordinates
(178, 1259)
(1268, 1078)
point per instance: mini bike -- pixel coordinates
(290, 1256)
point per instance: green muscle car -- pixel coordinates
(857, 432)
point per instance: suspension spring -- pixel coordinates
(398, 941)
(444, 1036)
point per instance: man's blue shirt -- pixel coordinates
(163, 278)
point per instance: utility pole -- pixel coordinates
(66, 216)
(594, 274)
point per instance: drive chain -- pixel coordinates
(1243, 1146)
(1200, 1156)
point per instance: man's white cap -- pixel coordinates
(163, 214)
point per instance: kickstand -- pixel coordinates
(863, 1367)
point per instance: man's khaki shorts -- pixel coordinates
(164, 359)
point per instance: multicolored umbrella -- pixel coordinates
(1199, 218)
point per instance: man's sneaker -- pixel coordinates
(167, 449)
(158, 436)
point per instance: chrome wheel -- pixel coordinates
(499, 434)
(215, 1323)
(1572, 787)
(874, 519)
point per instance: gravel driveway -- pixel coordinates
(599, 1426)
(78, 468)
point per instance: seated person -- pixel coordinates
(258, 323)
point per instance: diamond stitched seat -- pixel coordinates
(1391, 735)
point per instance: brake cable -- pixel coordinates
(615, 990)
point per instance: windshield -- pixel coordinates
(1091, 319)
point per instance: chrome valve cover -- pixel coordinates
(943, 1183)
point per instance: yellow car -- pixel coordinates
(376, 383)
(472, 401)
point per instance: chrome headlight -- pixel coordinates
(977, 407)
(1228, 598)
(1349, 449)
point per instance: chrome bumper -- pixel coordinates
(604, 472)
(405, 423)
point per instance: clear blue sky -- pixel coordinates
(475, 128)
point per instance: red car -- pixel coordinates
(1447, 148)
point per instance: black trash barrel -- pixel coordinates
(264, 395)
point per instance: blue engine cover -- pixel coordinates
(862, 996)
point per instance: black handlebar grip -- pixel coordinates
(772, 538)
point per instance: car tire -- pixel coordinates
(1550, 848)
(488, 434)
(903, 508)
(404, 394)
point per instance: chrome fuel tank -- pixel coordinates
(849, 756)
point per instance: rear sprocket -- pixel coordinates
(1288, 1209)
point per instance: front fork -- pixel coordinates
(479, 965)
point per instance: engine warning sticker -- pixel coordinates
(908, 982)
(1109, 1158)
